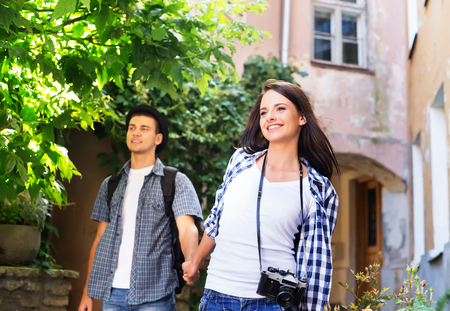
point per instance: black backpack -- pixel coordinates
(168, 188)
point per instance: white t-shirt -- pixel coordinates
(234, 265)
(135, 182)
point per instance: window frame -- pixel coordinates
(337, 8)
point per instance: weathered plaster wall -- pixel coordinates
(365, 111)
(395, 223)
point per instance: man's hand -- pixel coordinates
(191, 273)
(86, 303)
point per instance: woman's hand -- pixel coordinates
(191, 272)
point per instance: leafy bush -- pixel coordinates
(412, 296)
(372, 299)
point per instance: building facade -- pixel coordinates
(428, 139)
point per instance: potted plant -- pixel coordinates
(21, 223)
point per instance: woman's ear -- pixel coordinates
(302, 120)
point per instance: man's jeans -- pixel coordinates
(215, 301)
(119, 302)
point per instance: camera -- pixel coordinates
(282, 286)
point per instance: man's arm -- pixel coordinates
(190, 268)
(188, 234)
(86, 301)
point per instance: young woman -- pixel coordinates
(282, 141)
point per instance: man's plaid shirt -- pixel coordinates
(152, 275)
(316, 231)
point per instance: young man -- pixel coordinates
(130, 263)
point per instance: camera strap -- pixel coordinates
(258, 208)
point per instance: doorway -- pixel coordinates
(369, 237)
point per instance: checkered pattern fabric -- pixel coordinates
(315, 234)
(152, 275)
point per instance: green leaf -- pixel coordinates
(205, 65)
(48, 131)
(87, 65)
(78, 30)
(102, 18)
(22, 172)
(159, 33)
(118, 81)
(6, 17)
(102, 77)
(50, 45)
(17, 4)
(87, 4)
(21, 21)
(10, 164)
(28, 114)
(64, 7)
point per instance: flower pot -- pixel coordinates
(19, 244)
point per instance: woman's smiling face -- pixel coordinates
(280, 121)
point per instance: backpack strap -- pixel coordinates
(168, 188)
(113, 182)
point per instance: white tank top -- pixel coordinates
(234, 265)
(135, 181)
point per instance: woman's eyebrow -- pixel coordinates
(276, 105)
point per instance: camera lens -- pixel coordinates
(285, 297)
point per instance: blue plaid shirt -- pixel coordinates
(316, 231)
(152, 275)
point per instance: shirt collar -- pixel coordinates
(158, 168)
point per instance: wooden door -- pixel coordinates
(369, 232)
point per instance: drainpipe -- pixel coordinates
(285, 32)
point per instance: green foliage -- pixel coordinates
(23, 211)
(372, 299)
(413, 295)
(443, 301)
(44, 259)
(414, 299)
(56, 57)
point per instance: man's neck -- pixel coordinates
(139, 161)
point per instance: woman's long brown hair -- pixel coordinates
(313, 144)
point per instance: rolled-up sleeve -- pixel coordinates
(186, 201)
(101, 208)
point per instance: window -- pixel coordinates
(439, 172)
(339, 32)
(418, 201)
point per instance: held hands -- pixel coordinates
(191, 273)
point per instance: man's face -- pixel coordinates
(141, 135)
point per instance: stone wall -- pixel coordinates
(23, 289)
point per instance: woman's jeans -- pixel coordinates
(215, 301)
(119, 302)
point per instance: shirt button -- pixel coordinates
(117, 234)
